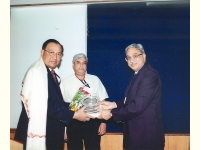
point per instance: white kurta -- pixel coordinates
(72, 84)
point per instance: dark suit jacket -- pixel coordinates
(141, 113)
(58, 115)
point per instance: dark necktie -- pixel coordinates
(56, 80)
(54, 75)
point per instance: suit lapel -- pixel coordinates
(133, 78)
(130, 84)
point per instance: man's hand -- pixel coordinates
(105, 114)
(81, 115)
(108, 105)
(102, 129)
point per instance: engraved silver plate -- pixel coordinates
(91, 103)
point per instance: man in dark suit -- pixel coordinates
(44, 112)
(140, 110)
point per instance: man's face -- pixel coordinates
(51, 55)
(135, 59)
(80, 66)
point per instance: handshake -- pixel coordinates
(105, 111)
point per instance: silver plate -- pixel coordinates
(90, 101)
(91, 106)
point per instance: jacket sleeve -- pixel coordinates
(141, 94)
(57, 108)
(60, 111)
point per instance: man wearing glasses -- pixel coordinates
(44, 112)
(140, 111)
(89, 132)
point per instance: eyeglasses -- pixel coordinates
(134, 56)
(52, 53)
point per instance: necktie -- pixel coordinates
(54, 75)
(56, 80)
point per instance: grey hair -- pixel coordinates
(80, 55)
(134, 45)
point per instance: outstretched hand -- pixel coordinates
(108, 105)
(105, 114)
(81, 115)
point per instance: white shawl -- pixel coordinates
(34, 95)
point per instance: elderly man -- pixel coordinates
(140, 111)
(44, 112)
(92, 130)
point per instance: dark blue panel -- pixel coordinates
(165, 34)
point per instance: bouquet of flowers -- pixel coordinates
(76, 101)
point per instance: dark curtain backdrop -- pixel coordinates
(164, 31)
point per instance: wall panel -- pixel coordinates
(114, 141)
(164, 32)
(30, 27)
